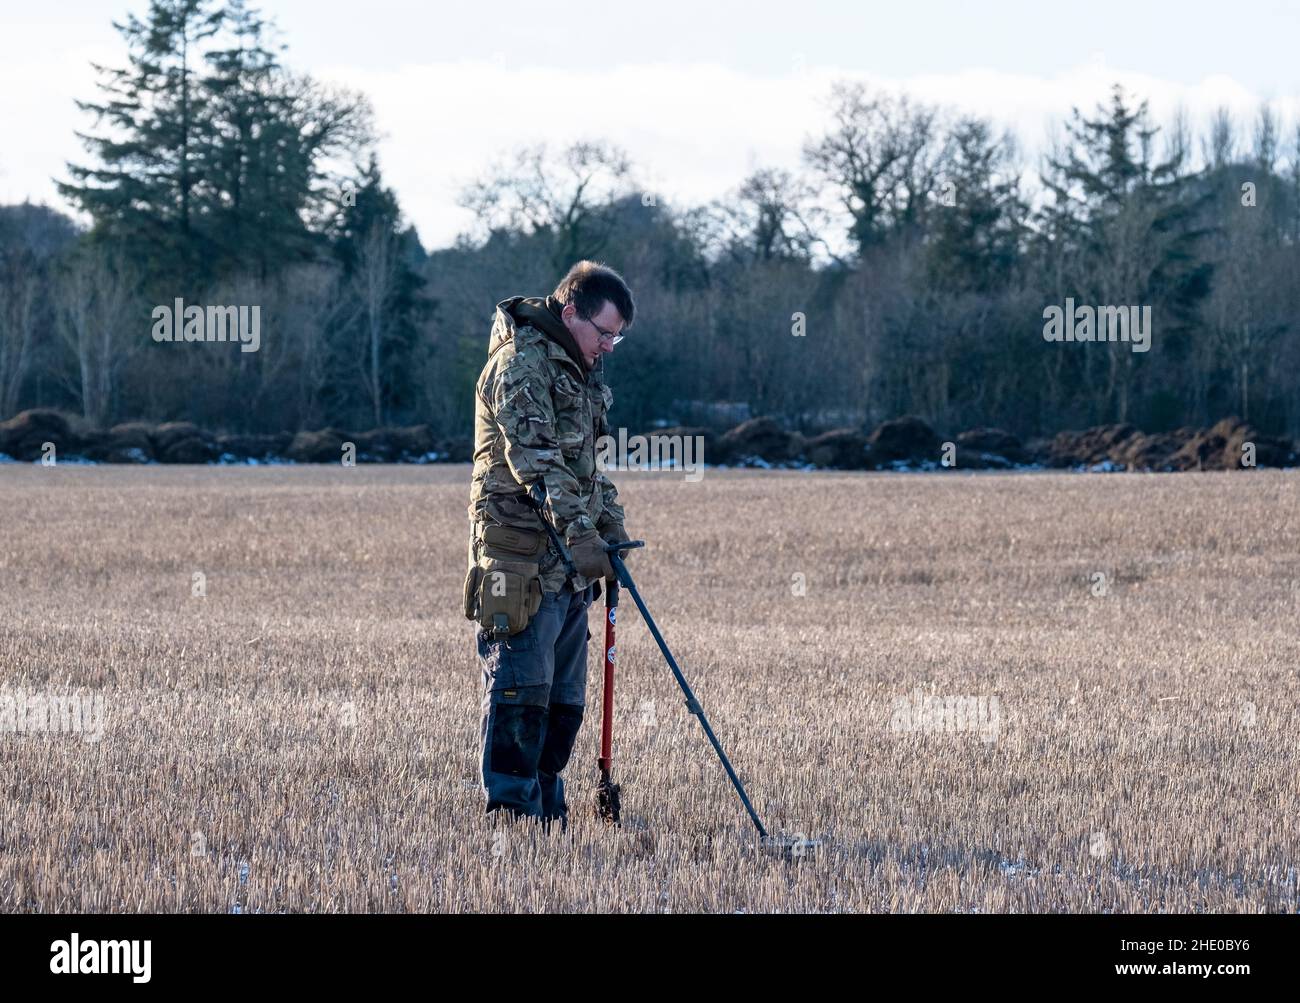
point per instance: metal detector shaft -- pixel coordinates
(692, 704)
(535, 498)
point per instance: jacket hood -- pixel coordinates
(540, 313)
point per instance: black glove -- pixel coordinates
(617, 534)
(589, 555)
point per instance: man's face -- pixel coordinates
(587, 333)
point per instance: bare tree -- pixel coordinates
(312, 305)
(20, 281)
(770, 216)
(1265, 139)
(95, 298)
(569, 196)
(374, 281)
(882, 155)
(1220, 145)
(1178, 137)
(1245, 314)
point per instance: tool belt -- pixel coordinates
(504, 589)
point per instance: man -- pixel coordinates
(540, 407)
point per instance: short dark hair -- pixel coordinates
(588, 285)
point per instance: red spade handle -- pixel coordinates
(607, 701)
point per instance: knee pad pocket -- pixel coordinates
(517, 734)
(561, 733)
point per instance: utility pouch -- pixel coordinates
(472, 579)
(509, 587)
(512, 543)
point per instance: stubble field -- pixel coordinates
(989, 693)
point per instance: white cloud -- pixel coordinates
(39, 117)
(693, 130)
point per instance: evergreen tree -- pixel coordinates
(254, 225)
(148, 185)
(214, 157)
(979, 223)
(1123, 229)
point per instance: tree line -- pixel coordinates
(904, 268)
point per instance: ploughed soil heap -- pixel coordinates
(23, 436)
(909, 443)
(906, 443)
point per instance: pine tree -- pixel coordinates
(148, 187)
(253, 222)
(1121, 228)
(979, 223)
(214, 157)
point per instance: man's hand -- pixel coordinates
(589, 556)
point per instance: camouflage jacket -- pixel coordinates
(537, 415)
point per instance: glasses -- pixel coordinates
(609, 336)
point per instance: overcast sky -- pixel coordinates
(699, 93)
